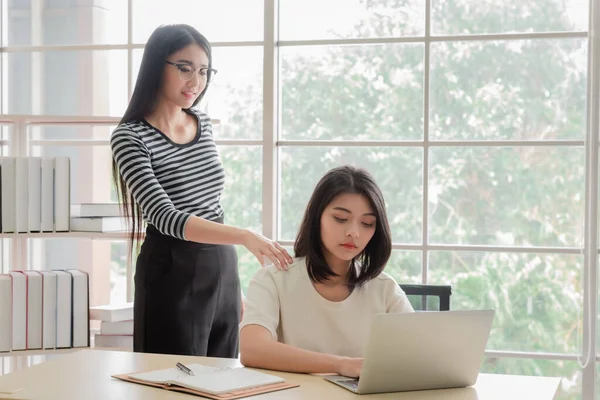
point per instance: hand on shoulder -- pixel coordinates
(264, 248)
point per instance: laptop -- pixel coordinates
(421, 350)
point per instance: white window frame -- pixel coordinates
(271, 143)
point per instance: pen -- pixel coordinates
(184, 369)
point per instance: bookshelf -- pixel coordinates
(26, 135)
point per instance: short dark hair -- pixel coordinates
(164, 41)
(372, 260)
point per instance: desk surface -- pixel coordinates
(86, 374)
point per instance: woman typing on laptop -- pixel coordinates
(315, 317)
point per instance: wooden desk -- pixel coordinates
(86, 374)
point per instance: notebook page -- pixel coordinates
(227, 380)
(171, 375)
(210, 379)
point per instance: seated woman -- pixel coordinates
(315, 317)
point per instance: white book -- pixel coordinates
(34, 309)
(114, 341)
(19, 310)
(48, 309)
(5, 313)
(22, 192)
(112, 312)
(35, 194)
(96, 210)
(63, 308)
(116, 328)
(99, 224)
(62, 193)
(80, 309)
(9, 210)
(47, 194)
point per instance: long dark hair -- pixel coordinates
(164, 41)
(372, 260)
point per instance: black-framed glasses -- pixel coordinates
(187, 72)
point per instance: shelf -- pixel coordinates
(52, 352)
(40, 352)
(71, 234)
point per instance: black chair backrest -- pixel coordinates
(420, 296)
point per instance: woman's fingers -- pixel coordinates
(271, 250)
(283, 260)
(284, 251)
(277, 257)
(278, 260)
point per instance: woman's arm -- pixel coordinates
(133, 162)
(204, 231)
(258, 345)
(258, 349)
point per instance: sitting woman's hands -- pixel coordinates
(264, 248)
(350, 367)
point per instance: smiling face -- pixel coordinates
(347, 225)
(178, 91)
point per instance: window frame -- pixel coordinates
(271, 145)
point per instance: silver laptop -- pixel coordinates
(422, 350)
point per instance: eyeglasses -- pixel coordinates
(187, 72)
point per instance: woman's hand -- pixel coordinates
(349, 367)
(264, 248)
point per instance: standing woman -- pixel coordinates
(168, 173)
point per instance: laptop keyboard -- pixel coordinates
(350, 383)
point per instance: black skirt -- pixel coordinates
(187, 298)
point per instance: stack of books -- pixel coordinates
(116, 325)
(97, 217)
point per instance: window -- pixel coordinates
(312, 19)
(398, 171)
(381, 87)
(474, 124)
(471, 115)
(459, 17)
(59, 22)
(219, 21)
(91, 83)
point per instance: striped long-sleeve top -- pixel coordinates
(170, 181)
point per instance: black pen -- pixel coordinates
(184, 369)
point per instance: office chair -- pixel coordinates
(423, 297)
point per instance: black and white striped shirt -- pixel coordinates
(170, 181)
